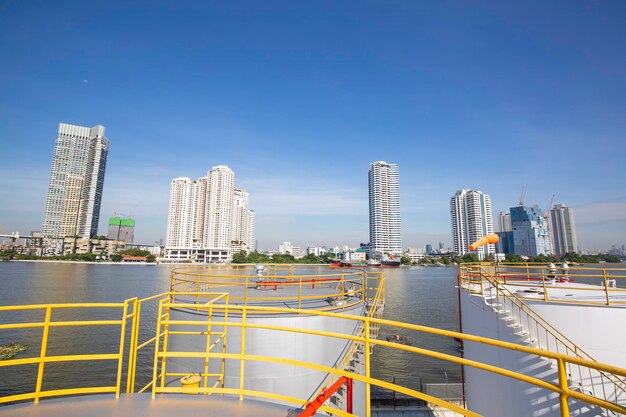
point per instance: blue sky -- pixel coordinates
(299, 97)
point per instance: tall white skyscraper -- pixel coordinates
(181, 215)
(76, 180)
(563, 230)
(208, 219)
(470, 212)
(504, 221)
(219, 208)
(384, 198)
(243, 223)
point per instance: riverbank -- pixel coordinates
(57, 261)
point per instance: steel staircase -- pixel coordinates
(534, 331)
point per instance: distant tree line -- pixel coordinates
(473, 257)
(85, 257)
(261, 258)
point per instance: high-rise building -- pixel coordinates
(208, 219)
(563, 230)
(530, 231)
(121, 229)
(384, 199)
(470, 212)
(243, 223)
(429, 249)
(504, 221)
(76, 180)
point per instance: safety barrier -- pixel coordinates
(44, 358)
(609, 283)
(240, 279)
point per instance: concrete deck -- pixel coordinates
(141, 405)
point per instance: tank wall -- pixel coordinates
(598, 330)
(294, 381)
(493, 395)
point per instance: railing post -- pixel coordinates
(545, 290)
(243, 351)
(367, 369)
(207, 347)
(132, 370)
(606, 287)
(563, 397)
(156, 348)
(120, 362)
(42, 354)
(349, 395)
(300, 293)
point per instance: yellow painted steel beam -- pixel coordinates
(58, 392)
(60, 358)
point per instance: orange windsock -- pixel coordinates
(489, 239)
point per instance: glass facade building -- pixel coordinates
(76, 181)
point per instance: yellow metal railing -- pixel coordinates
(339, 285)
(490, 281)
(607, 284)
(561, 387)
(45, 358)
(375, 303)
(221, 316)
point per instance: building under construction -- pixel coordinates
(121, 229)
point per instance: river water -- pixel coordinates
(418, 295)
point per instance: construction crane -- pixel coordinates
(546, 216)
(523, 195)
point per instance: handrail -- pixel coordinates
(570, 346)
(220, 306)
(43, 358)
(342, 284)
(376, 304)
(562, 388)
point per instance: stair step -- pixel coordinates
(530, 341)
(521, 333)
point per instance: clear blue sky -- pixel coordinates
(299, 97)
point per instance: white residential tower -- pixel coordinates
(470, 212)
(384, 199)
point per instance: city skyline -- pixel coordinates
(526, 96)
